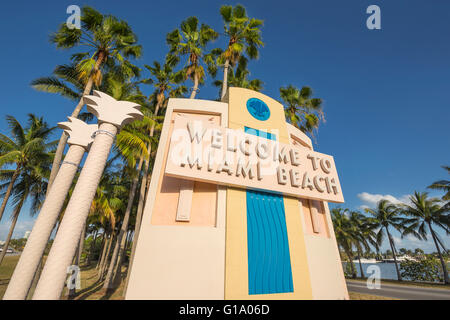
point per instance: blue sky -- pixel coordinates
(386, 92)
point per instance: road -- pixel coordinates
(12, 254)
(400, 291)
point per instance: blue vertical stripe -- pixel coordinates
(269, 264)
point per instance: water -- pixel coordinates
(387, 269)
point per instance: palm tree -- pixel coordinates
(167, 83)
(443, 185)
(386, 215)
(423, 213)
(107, 201)
(108, 41)
(138, 137)
(418, 252)
(68, 82)
(345, 234)
(120, 242)
(302, 111)
(363, 235)
(65, 80)
(106, 208)
(32, 179)
(25, 146)
(244, 35)
(240, 78)
(131, 146)
(191, 40)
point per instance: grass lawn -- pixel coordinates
(6, 271)
(409, 283)
(363, 296)
(91, 288)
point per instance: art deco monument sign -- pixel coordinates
(237, 207)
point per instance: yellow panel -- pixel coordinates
(236, 263)
(239, 117)
(236, 267)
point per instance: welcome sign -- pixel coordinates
(205, 152)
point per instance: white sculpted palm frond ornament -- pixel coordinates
(79, 132)
(107, 109)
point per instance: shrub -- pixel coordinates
(348, 270)
(425, 270)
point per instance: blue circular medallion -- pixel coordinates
(258, 109)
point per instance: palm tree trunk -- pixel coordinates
(350, 260)
(195, 88)
(442, 245)
(89, 255)
(340, 250)
(127, 238)
(117, 275)
(107, 260)
(80, 248)
(444, 266)
(119, 247)
(104, 262)
(352, 266)
(139, 213)
(130, 236)
(81, 245)
(225, 79)
(8, 191)
(360, 265)
(11, 230)
(64, 137)
(120, 254)
(391, 242)
(102, 249)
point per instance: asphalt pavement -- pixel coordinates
(400, 291)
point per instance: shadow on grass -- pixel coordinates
(93, 287)
(86, 292)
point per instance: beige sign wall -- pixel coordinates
(180, 260)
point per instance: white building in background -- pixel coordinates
(27, 234)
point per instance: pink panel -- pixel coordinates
(203, 211)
